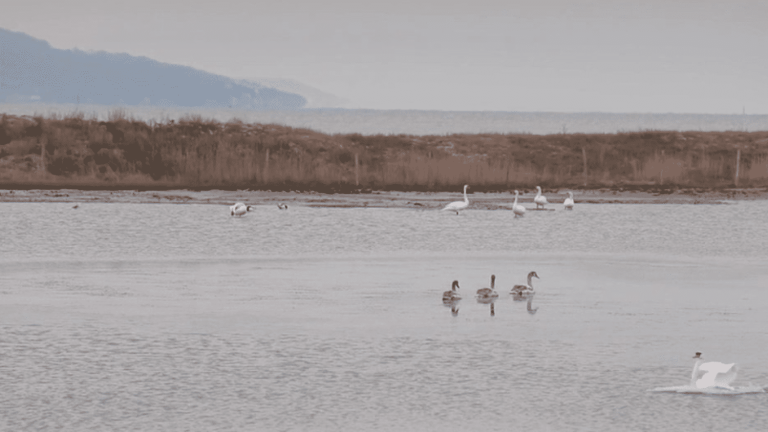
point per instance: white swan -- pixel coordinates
(712, 374)
(518, 209)
(568, 203)
(452, 295)
(458, 205)
(239, 209)
(525, 290)
(487, 293)
(282, 206)
(540, 199)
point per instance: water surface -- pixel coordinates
(179, 317)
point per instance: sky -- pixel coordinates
(652, 56)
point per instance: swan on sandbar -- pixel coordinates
(568, 203)
(540, 199)
(458, 205)
(524, 290)
(487, 293)
(452, 295)
(518, 209)
(282, 206)
(712, 374)
(239, 209)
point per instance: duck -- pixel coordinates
(518, 209)
(488, 293)
(239, 209)
(712, 374)
(568, 203)
(540, 199)
(458, 205)
(525, 290)
(452, 295)
(282, 206)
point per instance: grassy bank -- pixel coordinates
(195, 153)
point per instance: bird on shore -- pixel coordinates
(540, 199)
(239, 209)
(282, 206)
(568, 203)
(712, 374)
(488, 293)
(452, 295)
(458, 205)
(524, 290)
(518, 209)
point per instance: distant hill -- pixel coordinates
(33, 71)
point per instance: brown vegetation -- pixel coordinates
(196, 153)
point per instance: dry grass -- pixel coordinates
(202, 153)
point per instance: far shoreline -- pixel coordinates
(378, 199)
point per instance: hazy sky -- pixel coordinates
(695, 56)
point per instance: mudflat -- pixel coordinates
(381, 199)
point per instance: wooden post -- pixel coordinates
(266, 167)
(584, 156)
(738, 159)
(357, 176)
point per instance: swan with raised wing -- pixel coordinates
(568, 203)
(540, 199)
(525, 290)
(239, 209)
(518, 209)
(458, 205)
(712, 374)
(488, 293)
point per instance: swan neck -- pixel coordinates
(465, 194)
(695, 372)
(530, 281)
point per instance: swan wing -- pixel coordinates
(456, 205)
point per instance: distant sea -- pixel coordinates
(416, 122)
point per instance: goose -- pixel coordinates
(524, 290)
(452, 296)
(540, 199)
(488, 293)
(568, 203)
(282, 206)
(458, 205)
(518, 209)
(239, 209)
(712, 374)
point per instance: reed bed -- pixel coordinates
(198, 153)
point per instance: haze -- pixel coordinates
(554, 55)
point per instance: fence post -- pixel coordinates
(266, 167)
(738, 159)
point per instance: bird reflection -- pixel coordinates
(488, 301)
(530, 300)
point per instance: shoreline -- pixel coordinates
(378, 199)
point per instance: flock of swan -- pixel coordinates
(489, 295)
(518, 209)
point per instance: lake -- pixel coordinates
(171, 317)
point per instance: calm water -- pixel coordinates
(154, 317)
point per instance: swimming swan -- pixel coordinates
(487, 293)
(452, 295)
(525, 290)
(458, 205)
(540, 199)
(282, 206)
(239, 209)
(568, 203)
(518, 209)
(712, 374)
